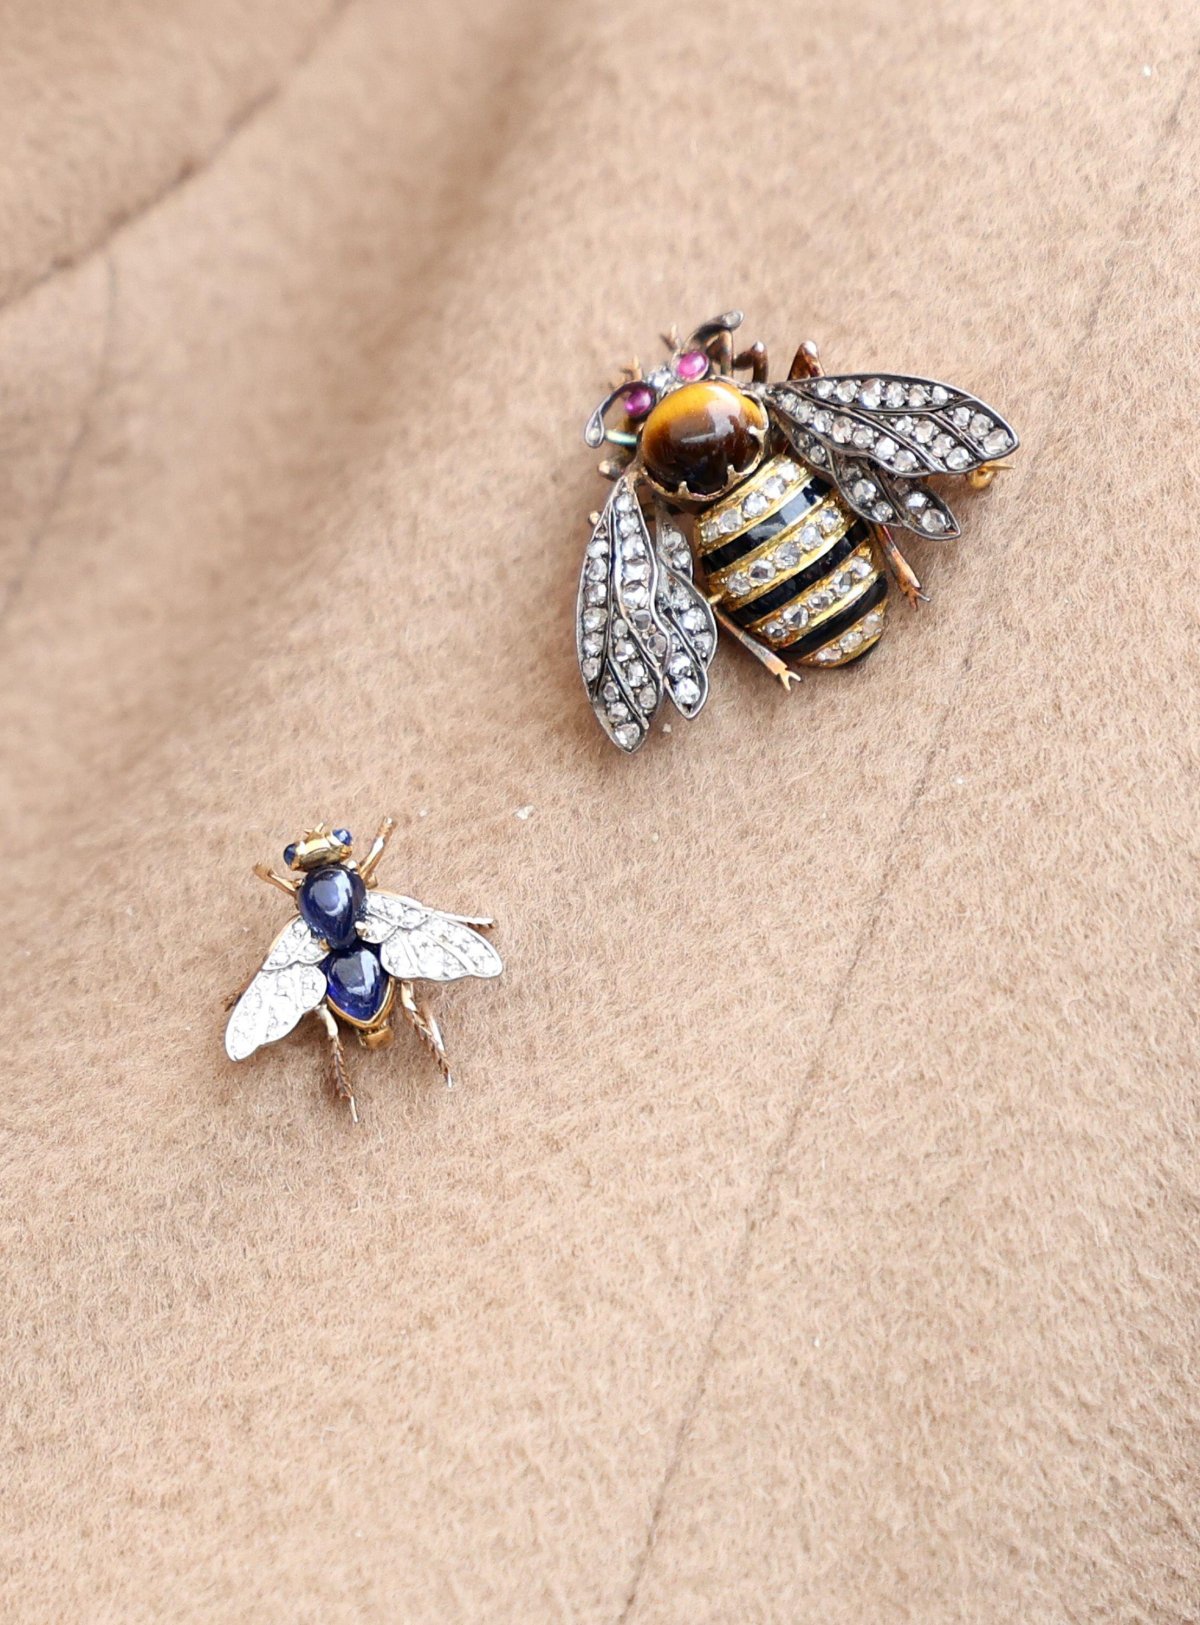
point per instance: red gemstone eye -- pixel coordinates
(692, 364)
(639, 400)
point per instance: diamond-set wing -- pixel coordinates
(642, 628)
(289, 985)
(904, 427)
(419, 944)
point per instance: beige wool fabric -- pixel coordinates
(812, 1235)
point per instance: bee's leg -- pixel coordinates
(284, 882)
(900, 570)
(627, 373)
(980, 478)
(806, 363)
(761, 653)
(338, 1074)
(426, 1028)
(382, 836)
(756, 359)
(671, 337)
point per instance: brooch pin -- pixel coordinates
(352, 955)
(764, 508)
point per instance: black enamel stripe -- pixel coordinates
(837, 624)
(793, 509)
(802, 580)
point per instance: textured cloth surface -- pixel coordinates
(812, 1234)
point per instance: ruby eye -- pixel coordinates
(639, 400)
(692, 364)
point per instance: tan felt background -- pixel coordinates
(813, 1234)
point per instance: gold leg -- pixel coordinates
(426, 1029)
(338, 1074)
(898, 567)
(766, 657)
(284, 883)
(378, 846)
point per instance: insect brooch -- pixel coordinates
(765, 508)
(352, 954)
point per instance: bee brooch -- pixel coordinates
(352, 955)
(764, 508)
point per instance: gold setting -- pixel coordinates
(711, 521)
(870, 638)
(844, 602)
(827, 539)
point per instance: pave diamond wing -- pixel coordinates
(289, 985)
(642, 627)
(905, 427)
(419, 944)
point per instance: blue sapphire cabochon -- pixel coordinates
(329, 901)
(358, 983)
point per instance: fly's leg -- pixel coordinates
(755, 358)
(426, 1028)
(378, 846)
(900, 570)
(766, 657)
(284, 882)
(338, 1075)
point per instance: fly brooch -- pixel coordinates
(351, 955)
(765, 508)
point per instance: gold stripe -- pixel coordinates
(872, 637)
(719, 582)
(717, 538)
(839, 604)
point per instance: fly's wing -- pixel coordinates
(904, 428)
(289, 985)
(419, 944)
(642, 628)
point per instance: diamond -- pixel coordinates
(903, 425)
(934, 520)
(824, 388)
(694, 620)
(852, 639)
(593, 620)
(842, 583)
(738, 583)
(635, 570)
(754, 504)
(923, 432)
(618, 712)
(708, 530)
(980, 424)
(704, 644)
(761, 570)
(884, 447)
(861, 568)
(871, 621)
(774, 487)
(590, 669)
(634, 548)
(943, 445)
(681, 559)
(828, 654)
(823, 422)
(730, 521)
(594, 594)
(918, 395)
(796, 615)
(846, 389)
(787, 470)
(620, 629)
(829, 521)
(961, 417)
(957, 457)
(593, 644)
(597, 548)
(635, 672)
(905, 460)
(629, 525)
(810, 536)
(997, 442)
(687, 692)
(843, 428)
(864, 490)
(788, 552)
(636, 595)
(596, 570)
(895, 394)
(863, 437)
(610, 691)
(646, 697)
(819, 600)
(939, 395)
(640, 618)
(815, 453)
(679, 666)
(628, 735)
(657, 644)
(625, 649)
(800, 409)
(881, 512)
(871, 394)
(776, 628)
(625, 502)
(679, 597)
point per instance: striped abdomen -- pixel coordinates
(794, 567)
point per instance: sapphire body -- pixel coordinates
(329, 901)
(357, 983)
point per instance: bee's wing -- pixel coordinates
(903, 427)
(419, 944)
(289, 985)
(642, 628)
